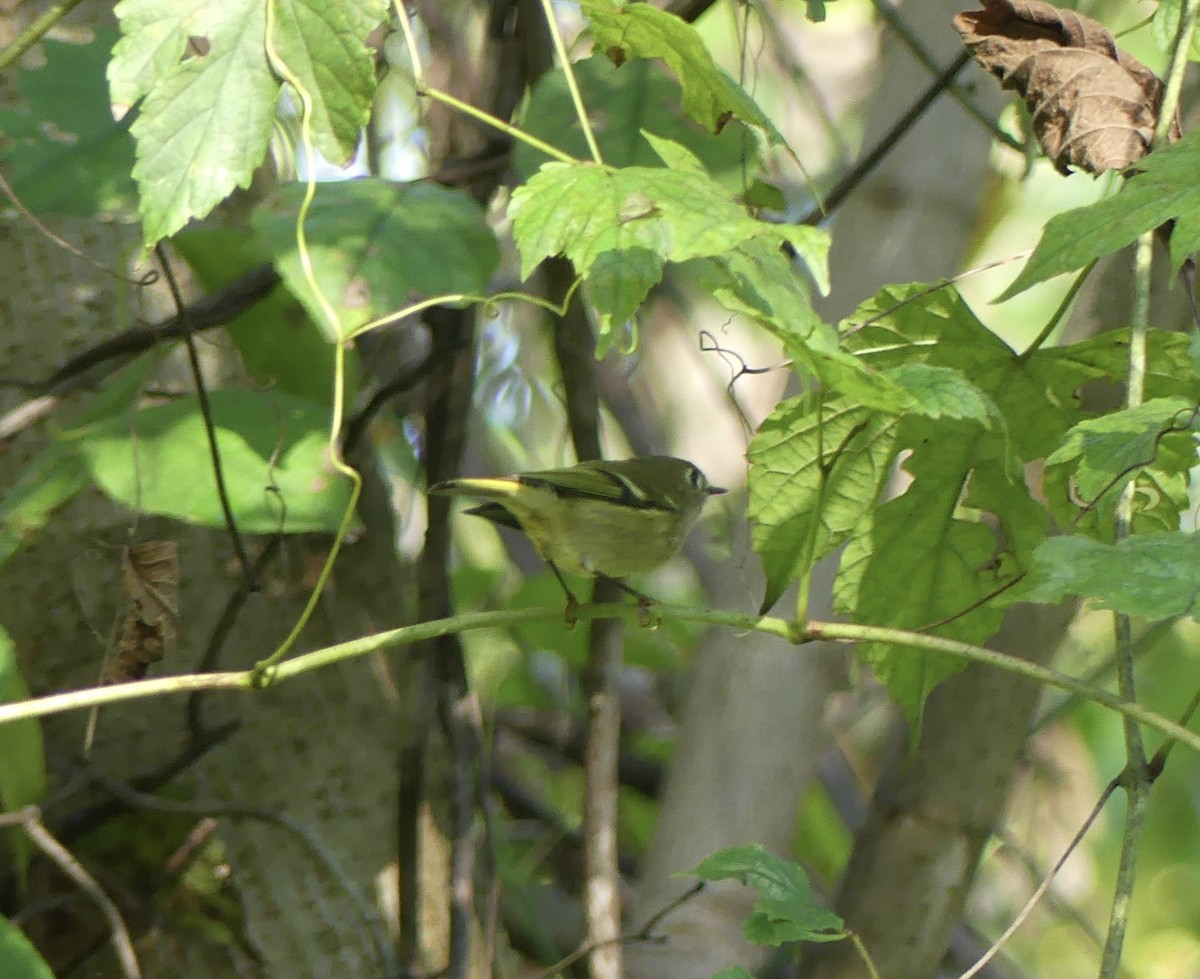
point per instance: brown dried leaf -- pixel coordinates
(1093, 106)
(151, 574)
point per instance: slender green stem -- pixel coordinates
(1137, 779)
(36, 31)
(739, 621)
(334, 325)
(410, 40)
(572, 83)
(498, 124)
(1175, 70)
(1059, 313)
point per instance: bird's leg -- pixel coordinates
(646, 619)
(572, 601)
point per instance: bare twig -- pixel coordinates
(210, 428)
(868, 163)
(643, 934)
(30, 820)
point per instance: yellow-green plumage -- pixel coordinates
(597, 518)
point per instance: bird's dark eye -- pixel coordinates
(696, 478)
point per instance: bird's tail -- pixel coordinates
(485, 488)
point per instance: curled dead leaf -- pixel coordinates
(1093, 106)
(150, 572)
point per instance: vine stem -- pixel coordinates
(572, 84)
(36, 31)
(333, 324)
(841, 632)
(1138, 779)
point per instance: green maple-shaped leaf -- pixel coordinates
(966, 524)
(376, 246)
(640, 30)
(1163, 188)
(204, 121)
(1155, 576)
(931, 557)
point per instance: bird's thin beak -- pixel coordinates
(716, 490)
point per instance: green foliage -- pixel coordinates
(18, 958)
(64, 153)
(817, 468)
(785, 910)
(1165, 28)
(23, 774)
(376, 245)
(1151, 443)
(273, 457)
(1149, 575)
(1162, 189)
(639, 30)
(204, 120)
(620, 227)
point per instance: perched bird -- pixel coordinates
(602, 519)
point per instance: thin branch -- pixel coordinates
(30, 820)
(1044, 886)
(643, 934)
(895, 20)
(789, 631)
(891, 138)
(210, 428)
(36, 31)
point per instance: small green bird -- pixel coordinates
(602, 519)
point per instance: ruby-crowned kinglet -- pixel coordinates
(603, 519)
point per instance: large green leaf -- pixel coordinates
(640, 30)
(64, 153)
(622, 102)
(1163, 188)
(273, 457)
(376, 245)
(203, 126)
(18, 958)
(966, 523)
(930, 555)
